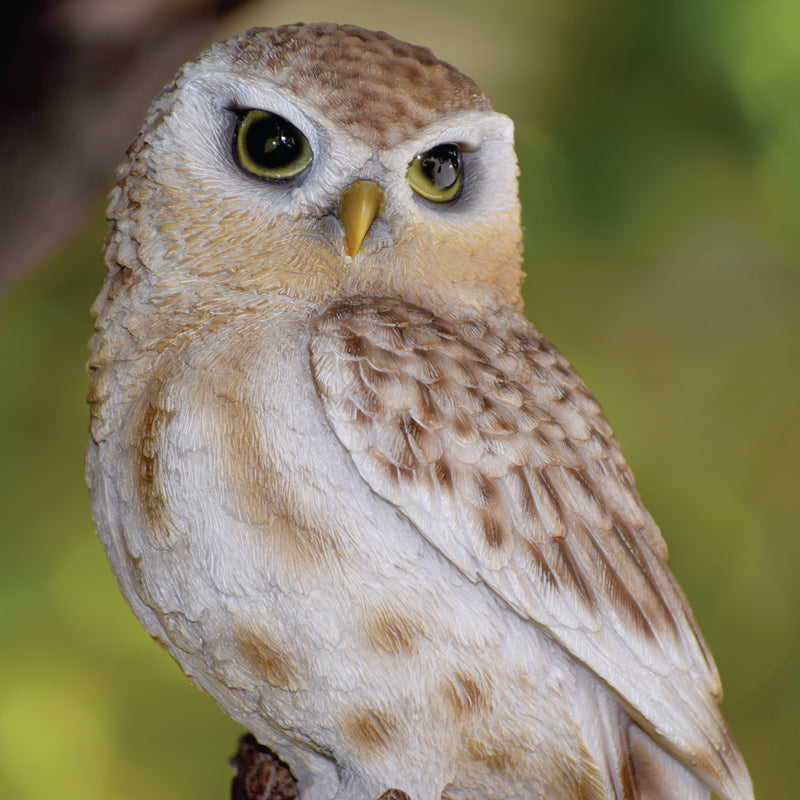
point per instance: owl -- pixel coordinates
(358, 497)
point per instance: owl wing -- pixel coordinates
(494, 448)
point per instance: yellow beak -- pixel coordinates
(358, 208)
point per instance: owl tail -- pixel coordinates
(637, 768)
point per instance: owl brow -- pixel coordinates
(464, 147)
(240, 108)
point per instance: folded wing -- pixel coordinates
(490, 443)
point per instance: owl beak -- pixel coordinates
(359, 207)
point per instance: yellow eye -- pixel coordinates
(437, 174)
(270, 146)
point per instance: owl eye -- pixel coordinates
(437, 173)
(269, 146)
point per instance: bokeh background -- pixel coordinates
(660, 151)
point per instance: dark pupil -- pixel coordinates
(272, 142)
(441, 165)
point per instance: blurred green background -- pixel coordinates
(660, 151)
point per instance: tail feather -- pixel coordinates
(656, 774)
(636, 767)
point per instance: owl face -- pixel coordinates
(250, 159)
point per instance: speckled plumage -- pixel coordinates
(361, 500)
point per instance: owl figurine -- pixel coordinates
(358, 497)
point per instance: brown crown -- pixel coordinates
(378, 88)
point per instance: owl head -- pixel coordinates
(313, 162)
